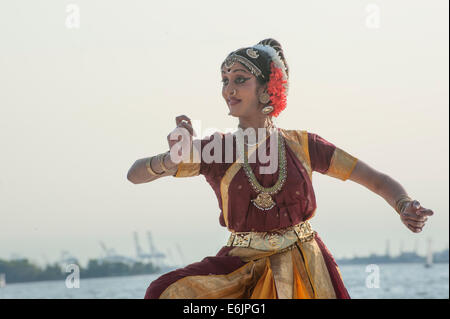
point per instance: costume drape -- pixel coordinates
(305, 269)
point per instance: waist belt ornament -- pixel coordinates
(274, 240)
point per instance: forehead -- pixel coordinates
(236, 67)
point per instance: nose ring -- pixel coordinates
(234, 92)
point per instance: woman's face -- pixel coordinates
(244, 102)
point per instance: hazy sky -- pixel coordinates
(79, 105)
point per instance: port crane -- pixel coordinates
(154, 255)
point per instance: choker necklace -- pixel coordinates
(269, 130)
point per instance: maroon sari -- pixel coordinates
(256, 274)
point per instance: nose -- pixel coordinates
(229, 87)
(230, 91)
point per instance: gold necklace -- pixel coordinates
(264, 199)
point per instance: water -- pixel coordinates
(398, 281)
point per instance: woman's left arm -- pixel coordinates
(412, 214)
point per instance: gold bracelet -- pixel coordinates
(404, 204)
(161, 161)
(400, 203)
(148, 163)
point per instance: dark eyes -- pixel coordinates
(238, 80)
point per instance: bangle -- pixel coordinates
(404, 204)
(161, 161)
(400, 204)
(148, 163)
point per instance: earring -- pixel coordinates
(264, 98)
(267, 109)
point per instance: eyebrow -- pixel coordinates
(236, 70)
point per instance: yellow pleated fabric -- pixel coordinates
(265, 275)
(317, 270)
(302, 285)
(265, 287)
(300, 291)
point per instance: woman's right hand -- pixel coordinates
(182, 122)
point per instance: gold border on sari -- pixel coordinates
(224, 185)
(298, 142)
(226, 181)
(298, 273)
(189, 168)
(235, 285)
(317, 270)
(283, 274)
(342, 164)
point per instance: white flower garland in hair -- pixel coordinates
(276, 60)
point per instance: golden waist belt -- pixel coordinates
(272, 240)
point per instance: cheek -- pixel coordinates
(250, 91)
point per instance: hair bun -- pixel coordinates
(277, 46)
(272, 42)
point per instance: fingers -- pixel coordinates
(414, 229)
(424, 212)
(181, 133)
(181, 118)
(172, 140)
(414, 208)
(414, 216)
(184, 121)
(414, 223)
(187, 127)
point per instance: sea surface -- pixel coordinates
(383, 281)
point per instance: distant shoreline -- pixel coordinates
(22, 271)
(373, 261)
(163, 271)
(81, 278)
(404, 257)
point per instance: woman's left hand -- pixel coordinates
(414, 216)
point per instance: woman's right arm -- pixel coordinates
(148, 169)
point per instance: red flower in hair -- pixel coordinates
(276, 90)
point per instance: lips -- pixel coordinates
(233, 101)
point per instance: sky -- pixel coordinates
(88, 87)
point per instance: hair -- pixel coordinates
(277, 46)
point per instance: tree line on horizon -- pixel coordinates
(22, 270)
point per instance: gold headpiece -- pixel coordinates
(233, 57)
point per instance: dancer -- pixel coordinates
(273, 251)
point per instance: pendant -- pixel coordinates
(263, 201)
